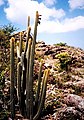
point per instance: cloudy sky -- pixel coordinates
(62, 20)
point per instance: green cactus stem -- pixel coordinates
(43, 94)
(19, 72)
(28, 35)
(27, 78)
(12, 74)
(20, 45)
(18, 51)
(39, 83)
(28, 21)
(32, 65)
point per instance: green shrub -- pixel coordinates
(60, 44)
(64, 59)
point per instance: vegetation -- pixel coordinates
(31, 72)
(60, 44)
(5, 34)
(25, 72)
(64, 59)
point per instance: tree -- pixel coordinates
(6, 31)
(5, 35)
(9, 29)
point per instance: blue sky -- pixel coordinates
(62, 20)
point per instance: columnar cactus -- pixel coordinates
(25, 72)
(32, 65)
(27, 78)
(12, 74)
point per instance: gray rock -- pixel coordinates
(68, 113)
(76, 101)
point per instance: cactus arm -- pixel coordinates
(28, 21)
(18, 52)
(31, 66)
(22, 61)
(19, 72)
(27, 78)
(39, 83)
(46, 74)
(20, 45)
(28, 35)
(12, 107)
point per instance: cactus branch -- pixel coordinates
(19, 72)
(12, 107)
(28, 21)
(39, 83)
(20, 45)
(31, 67)
(27, 78)
(28, 34)
(46, 74)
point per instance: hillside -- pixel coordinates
(65, 87)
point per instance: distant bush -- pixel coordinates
(64, 59)
(60, 44)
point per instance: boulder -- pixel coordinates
(76, 101)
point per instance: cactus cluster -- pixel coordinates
(29, 107)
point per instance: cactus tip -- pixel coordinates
(29, 28)
(12, 39)
(20, 33)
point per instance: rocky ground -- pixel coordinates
(65, 87)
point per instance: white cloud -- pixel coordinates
(66, 25)
(1, 2)
(18, 11)
(76, 4)
(53, 20)
(49, 2)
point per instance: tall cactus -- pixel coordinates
(32, 65)
(12, 103)
(25, 71)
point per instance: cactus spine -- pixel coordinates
(12, 106)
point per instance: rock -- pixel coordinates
(69, 113)
(76, 101)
